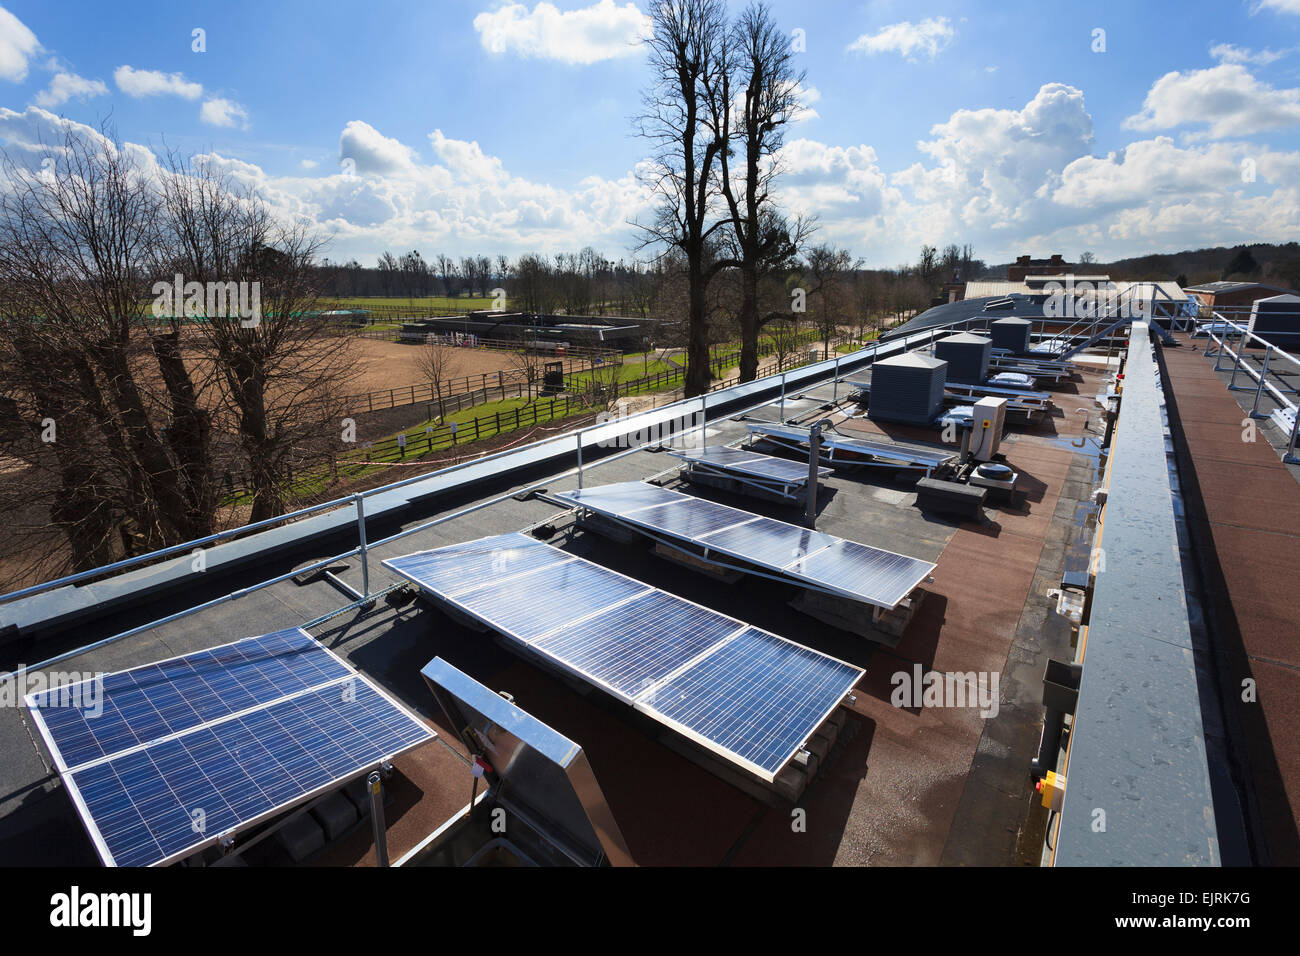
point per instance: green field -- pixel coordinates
(388, 303)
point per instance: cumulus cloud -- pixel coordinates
(466, 160)
(602, 31)
(222, 112)
(908, 39)
(140, 83)
(17, 45)
(1226, 97)
(1231, 53)
(372, 152)
(67, 86)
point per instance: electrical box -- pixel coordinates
(989, 420)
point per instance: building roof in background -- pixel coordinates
(1228, 285)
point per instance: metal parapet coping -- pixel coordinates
(1138, 784)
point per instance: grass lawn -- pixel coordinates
(466, 303)
(629, 371)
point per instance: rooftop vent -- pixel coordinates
(1011, 334)
(967, 356)
(907, 388)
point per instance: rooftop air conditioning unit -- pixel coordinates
(986, 427)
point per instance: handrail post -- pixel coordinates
(1241, 347)
(704, 422)
(1259, 390)
(361, 533)
(579, 437)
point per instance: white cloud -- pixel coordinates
(907, 39)
(1280, 6)
(17, 45)
(806, 96)
(373, 153)
(138, 83)
(222, 112)
(1227, 97)
(309, 164)
(66, 86)
(1231, 53)
(602, 31)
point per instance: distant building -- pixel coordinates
(1230, 293)
(1025, 266)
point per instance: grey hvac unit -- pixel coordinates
(907, 388)
(1277, 320)
(967, 356)
(1011, 334)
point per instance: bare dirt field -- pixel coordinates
(384, 365)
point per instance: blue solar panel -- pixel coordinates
(770, 542)
(689, 517)
(855, 570)
(640, 642)
(758, 696)
(746, 462)
(882, 577)
(235, 733)
(136, 706)
(156, 803)
(549, 598)
(625, 496)
(463, 567)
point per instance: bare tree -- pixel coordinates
(763, 240)
(687, 118)
(106, 399)
(281, 372)
(439, 364)
(529, 364)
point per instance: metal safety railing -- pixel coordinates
(823, 372)
(356, 502)
(1219, 331)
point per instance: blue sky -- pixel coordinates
(486, 127)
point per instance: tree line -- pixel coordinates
(122, 405)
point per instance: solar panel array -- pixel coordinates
(751, 463)
(752, 697)
(883, 450)
(165, 758)
(872, 575)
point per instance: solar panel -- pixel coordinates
(274, 720)
(745, 462)
(879, 577)
(640, 642)
(733, 696)
(691, 517)
(528, 607)
(646, 646)
(769, 542)
(463, 567)
(852, 570)
(894, 452)
(132, 707)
